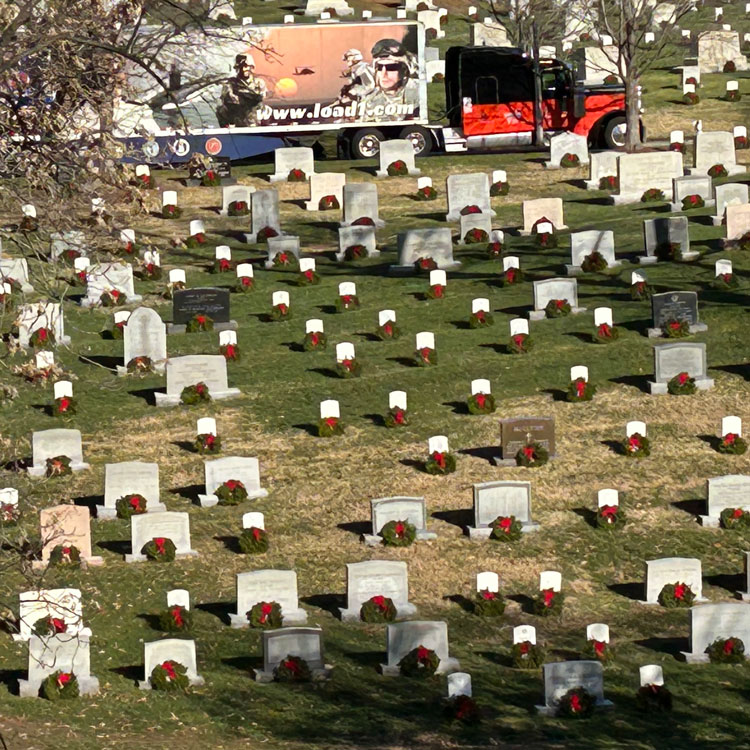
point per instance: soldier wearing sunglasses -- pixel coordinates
(395, 78)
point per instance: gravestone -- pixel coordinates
(130, 478)
(550, 209)
(144, 335)
(601, 164)
(316, 7)
(276, 245)
(44, 315)
(289, 158)
(738, 223)
(64, 604)
(552, 289)
(404, 637)
(361, 201)
(651, 674)
(180, 650)
(489, 33)
(64, 652)
(567, 143)
(306, 643)
(58, 442)
(459, 683)
(715, 147)
(399, 149)
(672, 359)
(240, 468)
(711, 621)
(377, 578)
(67, 526)
(593, 64)
(16, 269)
(729, 194)
(323, 185)
(717, 48)
(682, 187)
(673, 570)
(745, 595)
(585, 243)
(385, 509)
(678, 306)
(264, 207)
(637, 173)
(357, 235)
(562, 676)
(728, 491)
(63, 242)
(102, 277)
(483, 222)
(210, 301)
(278, 586)
(468, 190)
(501, 499)
(191, 369)
(664, 231)
(169, 524)
(431, 21)
(235, 194)
(425, 243)
(515, 432)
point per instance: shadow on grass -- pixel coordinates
(499, 658)
(189, 492)
(743, 370)
(466, 604)
(712, 440)
(110, 363)
(131, 674)
(231, 543)
(632, 590)
(587, 515)
(403, 361)
(10, 678)
(636, 381)
(695, 507)
(331, 603)
(115, 546)
(458, 407)
(356, 527)
(486, 452)
(377, 419)
(671, 646)
(370, 659)
(497, 348)
(310, 429)
(294, 346)
(219, 610)
(185, 445)
(244, 663)
(526, 602)
(615, 446)
(325, 371)
(90, 502)
(731, 582)
(556, 393)
(461, 518)
(414, 464)
(147, 394)
(151, 620)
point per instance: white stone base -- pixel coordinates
(484, 532)
(577, 270)
(142, 558)
(655, 333)
(104, 513)
(541, 315)
(36, 471)
(659, 389)
(162, 399)
(288, 617)
(208, 501)
(373, 540)
(86, 686)
(710, 522)
(744, 595)
(403, 610)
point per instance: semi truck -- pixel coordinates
(234, 97)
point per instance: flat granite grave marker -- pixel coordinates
(711, 621)
(370, 578)
(278, 586)
(728, 491)
(210, 301)
(562, 676)
(172, 525)
(385, 509)
(501, 499)
(672, 359)
(64, 652)
(675, 306)
(51, 443)
(305, 643)
(404, 637)
(191, 369)
(180, 650)
(240, 468)
(130, 478)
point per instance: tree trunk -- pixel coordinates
(538, 116)
(632, 113)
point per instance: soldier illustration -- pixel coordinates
(360, 79)
(395, 77)
(242, 95)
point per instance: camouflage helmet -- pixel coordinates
(389, 49)
(352, 54)
(243, 60)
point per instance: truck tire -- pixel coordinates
(614, 133)
(421, 139)
(366, 143)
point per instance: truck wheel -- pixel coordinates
(420, 138)
(366, 143)
(614, 133)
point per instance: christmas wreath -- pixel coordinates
(79, 278)
(740, 142)
(171, 288)
(594, 262)
(692, 201)
(481, 403)
(636, 446)
(231, 352)
(389, 330)
(150, 272)
(671, 251)
(532, 455)
(729, 67)
(506, 529)
(231, 492)
(65, 554)
(425, 357)
(29, 224)
(59, 686)
(675, 595)
(427, 193)
(440, 463)
(378, 609)
(548, 603)
(677, 146)
(210, 179)
(265, 615)
(396, 417)
(732, 96)
(520, 343)
(735, 518)
(285, 260)
(690, 98)
(397, 168)
(140, 366)
(328, 203)
(195, 394)
(296, 175)
(640, 290)
(199, 323)
(610, 182)
(511, 276)
(159, 549)
(436, 291)
(195, 240)
(265, 234)
(347, 302)
(495, 250)
(314, 340)
(577, 703)
(726, 651)
(308, 278)
(45, 626)
(207, 443)
(527, 655)
(545, 240)
(692, 80)
(238, 208)
(170, 675)
(611, 79)
(471, 209)
(462, 708)
(570, 161)
(364, 221)
(281, 311)
(176, 619)
(131, 505)
(489, 604)
(58, 466)
(330, 426)
(9, 514)
(398, 534)
(349, 368)
(355, 252)
(292, 669)
(717, 170)
(425, 264)
(70, 255)
(610, 517)
(244, 284)
(724, 281)
(606, 333)
(171, 212)
(743, 243)
(419, 662)
(221, 265)
(652, 195)
(65, 406)
(653, 698)
(476, 236)
(253, 541)
(481, 319)
(112, 298)
(597, 651)
(732, 444)
(499, 188)
(557, 308)
(580, 390)
(681, 385)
